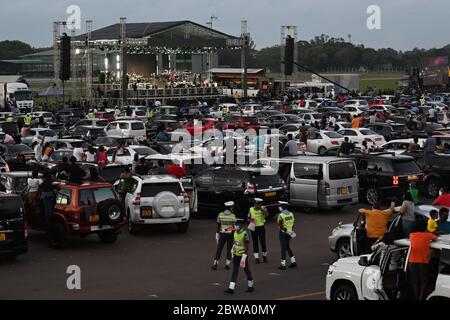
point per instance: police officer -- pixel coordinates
(91, 114)
(10, 118)
(27, 120)
(149, 115)
(224, 235)
(286, 222)
(257, 216)
(240, 257)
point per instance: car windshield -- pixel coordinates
(405, 167)
(18, 148)
(10, 207)
(150, 190)
(292, 117)
(107, 142)
(368, 133)
(334, 135)
(342, 170)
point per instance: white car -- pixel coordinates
(69, 144)
(400, 146)
(126, 129)
(251, 109)
(156, 200)
(35, 135)
(356, 103)
(358, 136)
(217, 111)
(355, 110)
(323, 141)
(128, 155)
(311, 105)
(91, 123)
(136, 114)
(310, 118)
(383, 274)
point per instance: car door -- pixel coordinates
(315, 143)
(205, 188)
(304, 184)
(87, 205)
(111, 130)
(124, 158)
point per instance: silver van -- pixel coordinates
(318, 182)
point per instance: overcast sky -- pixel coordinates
(405, 23)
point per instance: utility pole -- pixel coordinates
(245, 43)
(89, 63)
(123, 64)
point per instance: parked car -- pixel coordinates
(242, 185)
(279, 120)
(13, 227)
(358, 136)
(323, 141)
(9, 151)
(35, 135)
(399, 146)
(91, 123)
(82, 210)
(385, 176)
(128, 156)
(391, 131)
(126, 129)
(251, 109)
(156, 200)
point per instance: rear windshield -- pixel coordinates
(342, 170)
(153, 189)
(145, 151)
(111, 174)
(368, 133)
(405, 167)
(399, 128)
(137, 126)
(10, 207)
(333, 135)
(262, 181)
(103, 194)
(16, 148)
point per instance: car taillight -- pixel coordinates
(137, 199)
(396, 180)
(25, 230)
(335, 143)
(250, 188)
(327, 189)
(186, 197)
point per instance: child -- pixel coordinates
(432, 224)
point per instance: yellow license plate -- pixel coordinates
(147, 213)
(271, 194)
(2, 237)
(343, 191)
(413, 178)
(95, 218)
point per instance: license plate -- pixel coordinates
(94, 218)
(2, 237)
(271, 194)
(404, 134)
(413, 178)
(343, 191)
(147, 213)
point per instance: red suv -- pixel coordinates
(82, 210)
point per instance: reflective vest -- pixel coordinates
(239, 243)
(91, 115)
(227, 222)
(258, 216)
(288, 220)
(10, 119)
(27, 120)
(225, 110)
(149, 114)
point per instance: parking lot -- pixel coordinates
(159, 263)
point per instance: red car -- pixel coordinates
(206, 124)
(105, 116)
(240, 122)
(82, 210)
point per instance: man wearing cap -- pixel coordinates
(240, 257)
(224, 235)
(286, 222)
(257, 217)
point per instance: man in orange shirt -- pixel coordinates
(356, 122)
(419, 259)
(376, 221)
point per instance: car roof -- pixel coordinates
(84, 185)
(311, 159)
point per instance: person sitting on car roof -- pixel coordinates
(75, 173)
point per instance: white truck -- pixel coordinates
(19, 92)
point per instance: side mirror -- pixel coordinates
(364, 261)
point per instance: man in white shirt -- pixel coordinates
(78, 153)
(333, 121)
(432, 112)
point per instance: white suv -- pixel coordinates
(157, 200)
(383, 275)
(126, 129)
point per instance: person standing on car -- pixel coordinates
(240, 257)
(376, 224)
(419, 259)
(286, 221)
(224, 235)
(90, 155)
(257, 217)
(47, 196)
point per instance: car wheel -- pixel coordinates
(433, 188)
(109, 236)
(372, 196)
(343, 248)
(58, 236)
(183, 227)
(322, 150)
(111, 211)
(344, 292)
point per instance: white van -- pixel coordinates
(318, 182)
(126, 129)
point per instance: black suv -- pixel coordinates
(436, 168)
(13, 230)
(391, 131)
(385, 175)
(241, 185)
